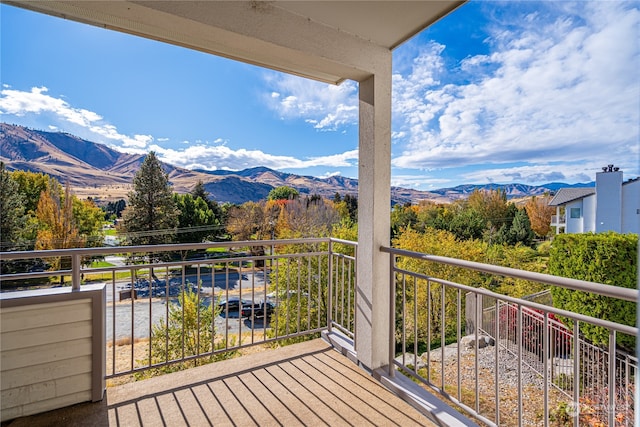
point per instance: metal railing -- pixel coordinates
(486, 380)
(558, 219)
(593, 368)
(189, 303)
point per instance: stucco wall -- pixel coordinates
(574, 225)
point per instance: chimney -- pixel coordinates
(609, 199)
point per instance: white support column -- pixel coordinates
(374, 206)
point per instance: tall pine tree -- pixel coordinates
(151, 216)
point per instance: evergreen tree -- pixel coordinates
(196, 220)
(199, 191)
(114, 209)
(152, 215)
(12, 214)
(521, 228)
(218, 211)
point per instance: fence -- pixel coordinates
(487, 381)
(593, 361)
(180, 304)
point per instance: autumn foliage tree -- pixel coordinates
(58, 228)
(540, 213)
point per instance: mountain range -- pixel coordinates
(96, 170)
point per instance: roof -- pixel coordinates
(566, 195)
(328, 41)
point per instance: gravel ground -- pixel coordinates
(532, 383)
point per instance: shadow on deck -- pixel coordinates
(302, 384)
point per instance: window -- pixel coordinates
(575, 212)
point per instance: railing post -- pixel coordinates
(611, 383)
(76, 275)
(330, 291)
(576, 373)
(392, 314)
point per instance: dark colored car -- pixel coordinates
(233, 304)
(263, 309)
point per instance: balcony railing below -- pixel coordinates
(521, 366)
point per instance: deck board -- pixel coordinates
(301, 384)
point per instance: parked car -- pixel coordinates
(233, 304)
(263, 309)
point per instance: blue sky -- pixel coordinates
(506, 92)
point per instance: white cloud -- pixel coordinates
(37, 101)
(330, 174)
(84, 123)
(545, 173)
(550, 91)
(326, 107)
(223, 157)
(417, 181)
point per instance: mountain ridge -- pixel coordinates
(104, 173)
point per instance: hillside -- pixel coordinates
(98, 171)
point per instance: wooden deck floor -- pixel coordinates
(303, 384)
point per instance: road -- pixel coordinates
(145, 308)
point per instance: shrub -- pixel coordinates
(189, 331)
(608, 258)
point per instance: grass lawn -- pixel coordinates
(99, 264)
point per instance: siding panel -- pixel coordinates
(25, 357)
(45, 335)
(51, 349)
(45, 372)
(41, 315)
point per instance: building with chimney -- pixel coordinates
(612, 205)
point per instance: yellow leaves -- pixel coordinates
(57, 224)
(540, 213)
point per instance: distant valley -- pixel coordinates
(95, 170)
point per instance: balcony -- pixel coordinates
(558, 220)
(126, 330)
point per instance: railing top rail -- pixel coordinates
(152, 248)
(575, 284)
(343, 241)
(625, 329)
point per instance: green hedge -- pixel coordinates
(609, 258)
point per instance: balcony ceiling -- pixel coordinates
(328, 41)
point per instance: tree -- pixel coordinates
(519, 231)
(12, 213)
(436, 242)
(88, 218)
(283, 193)
(152, 215)
(521, 228)
(31, 185)
(114, 209)
(467, 224)
(540, 214)
(347, 206)
(402, 216)
(189, 330)
(307, 218)
(196, 220)
(58, 228)
(247, 222)
(491, 205)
